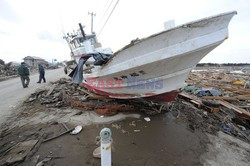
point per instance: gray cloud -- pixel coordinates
(45, 35)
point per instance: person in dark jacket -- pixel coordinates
(41, 73)
(24, 73)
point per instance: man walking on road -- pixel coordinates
(41, 73)
(24, 73)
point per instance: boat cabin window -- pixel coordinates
(73, 44)
(76, 43)
(92, 40)
(80, 40)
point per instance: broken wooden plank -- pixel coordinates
(33, 160)
(230, 106)
(92, 95)
(65, 126)
(234, 107)
(197, 102)
(187, 96)
(212, 109)
(51, 90)
(244, 106)
(231, 89)
(18, 153)
(235, 98)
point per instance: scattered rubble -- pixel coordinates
(8, 71)
(212, 100)
(211, 103)
(224, 95)
(64, 93)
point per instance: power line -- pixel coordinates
(104, 6)
(108, 8)
(108, 17)
(103, 16)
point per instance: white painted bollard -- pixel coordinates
(106, 141)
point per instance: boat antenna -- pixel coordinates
(66, 37)
(82, 31)
(92, 15)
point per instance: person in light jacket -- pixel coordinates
(41, 73)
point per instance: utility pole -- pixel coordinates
(92, 15)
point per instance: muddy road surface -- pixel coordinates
(12, 93)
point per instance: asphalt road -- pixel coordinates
(12, 94)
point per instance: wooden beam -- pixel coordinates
(197, 102)
(241, 111)
(235, 98)
(92, 95)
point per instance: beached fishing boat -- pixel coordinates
(156, 66)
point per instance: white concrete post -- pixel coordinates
(106, 141)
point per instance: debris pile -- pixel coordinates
(64, 93)
(212, 102)
(8, 70)
(20, 144)
(227, 89)
(225, 97)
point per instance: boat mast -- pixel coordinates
(92, 15)
(82, 31)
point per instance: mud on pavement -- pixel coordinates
(162, 141)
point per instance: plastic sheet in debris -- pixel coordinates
(77, 130)
(208, 92)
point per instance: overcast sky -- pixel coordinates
(35, 27)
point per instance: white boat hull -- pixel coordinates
(166, 58)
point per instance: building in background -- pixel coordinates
(33, 61)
